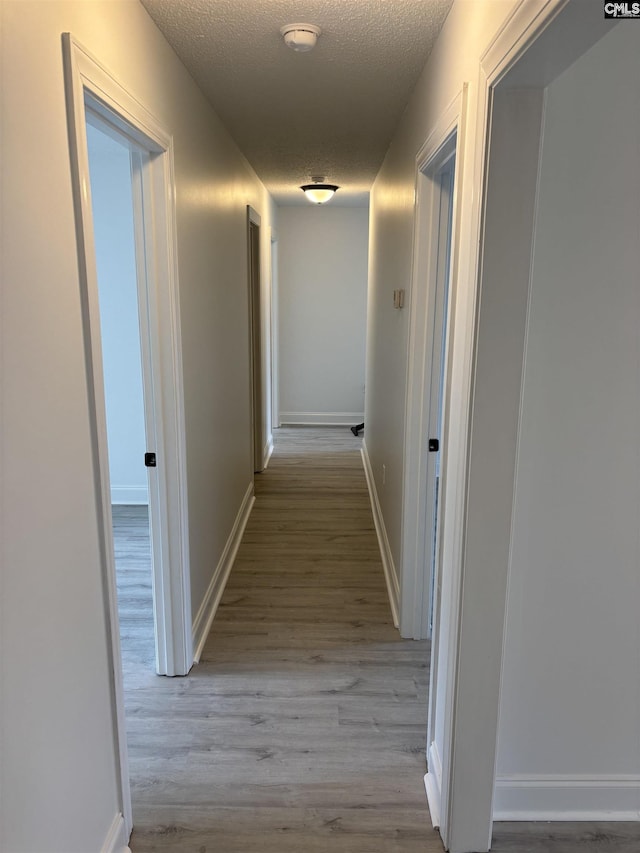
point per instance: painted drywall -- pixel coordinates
(111, 199)
(59, 776)
(454, 61)
(322, 289)
(570, 703)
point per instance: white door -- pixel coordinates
(444, 200)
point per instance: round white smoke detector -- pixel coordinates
(300, 37)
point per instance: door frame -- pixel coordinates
(438, 410)
(258, 431)
(89, 85)
(445, 141)
(559, 32)
(275, 365)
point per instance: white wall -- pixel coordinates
(455, 60)
(570, 703)
(322, 313)
(59, 778)
(111, 198)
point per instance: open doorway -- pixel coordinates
(427, 506)
(551, 228)
(442, 179)
(275, 340)
(130, 379)
(110, 165)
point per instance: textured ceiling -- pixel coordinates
(329, 112)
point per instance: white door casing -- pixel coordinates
(275, 377)
(442, 149)
(92, 90)
(444, 145)
(255, 341)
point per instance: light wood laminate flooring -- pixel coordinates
(135, 604)
(303, 728)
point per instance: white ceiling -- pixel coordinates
(330, 112)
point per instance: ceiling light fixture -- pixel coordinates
(300, 37)
(318, 192)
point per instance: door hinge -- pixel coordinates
(150, 460)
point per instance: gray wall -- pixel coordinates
(322, 313)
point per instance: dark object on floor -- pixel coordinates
(356, 429)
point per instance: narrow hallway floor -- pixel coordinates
(303, 728)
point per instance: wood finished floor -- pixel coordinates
(135, 604)
(303, 728)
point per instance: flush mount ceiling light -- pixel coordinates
(318, 192)
(300, 37)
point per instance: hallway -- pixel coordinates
(303, 727)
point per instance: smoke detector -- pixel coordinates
(300, 37)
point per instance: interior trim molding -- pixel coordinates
(567, 798)
(390, 573)
(207, 611)
(433, 784)
(520, 29)
(116, 840)
(321, 418)
(268, 451)
(92, 93)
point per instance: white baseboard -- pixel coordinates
(116, 840)
(390, 573)
(433, 785)
(576, 798)
(267, 452)
(321, 418)
(207, 610)
(129, 495)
